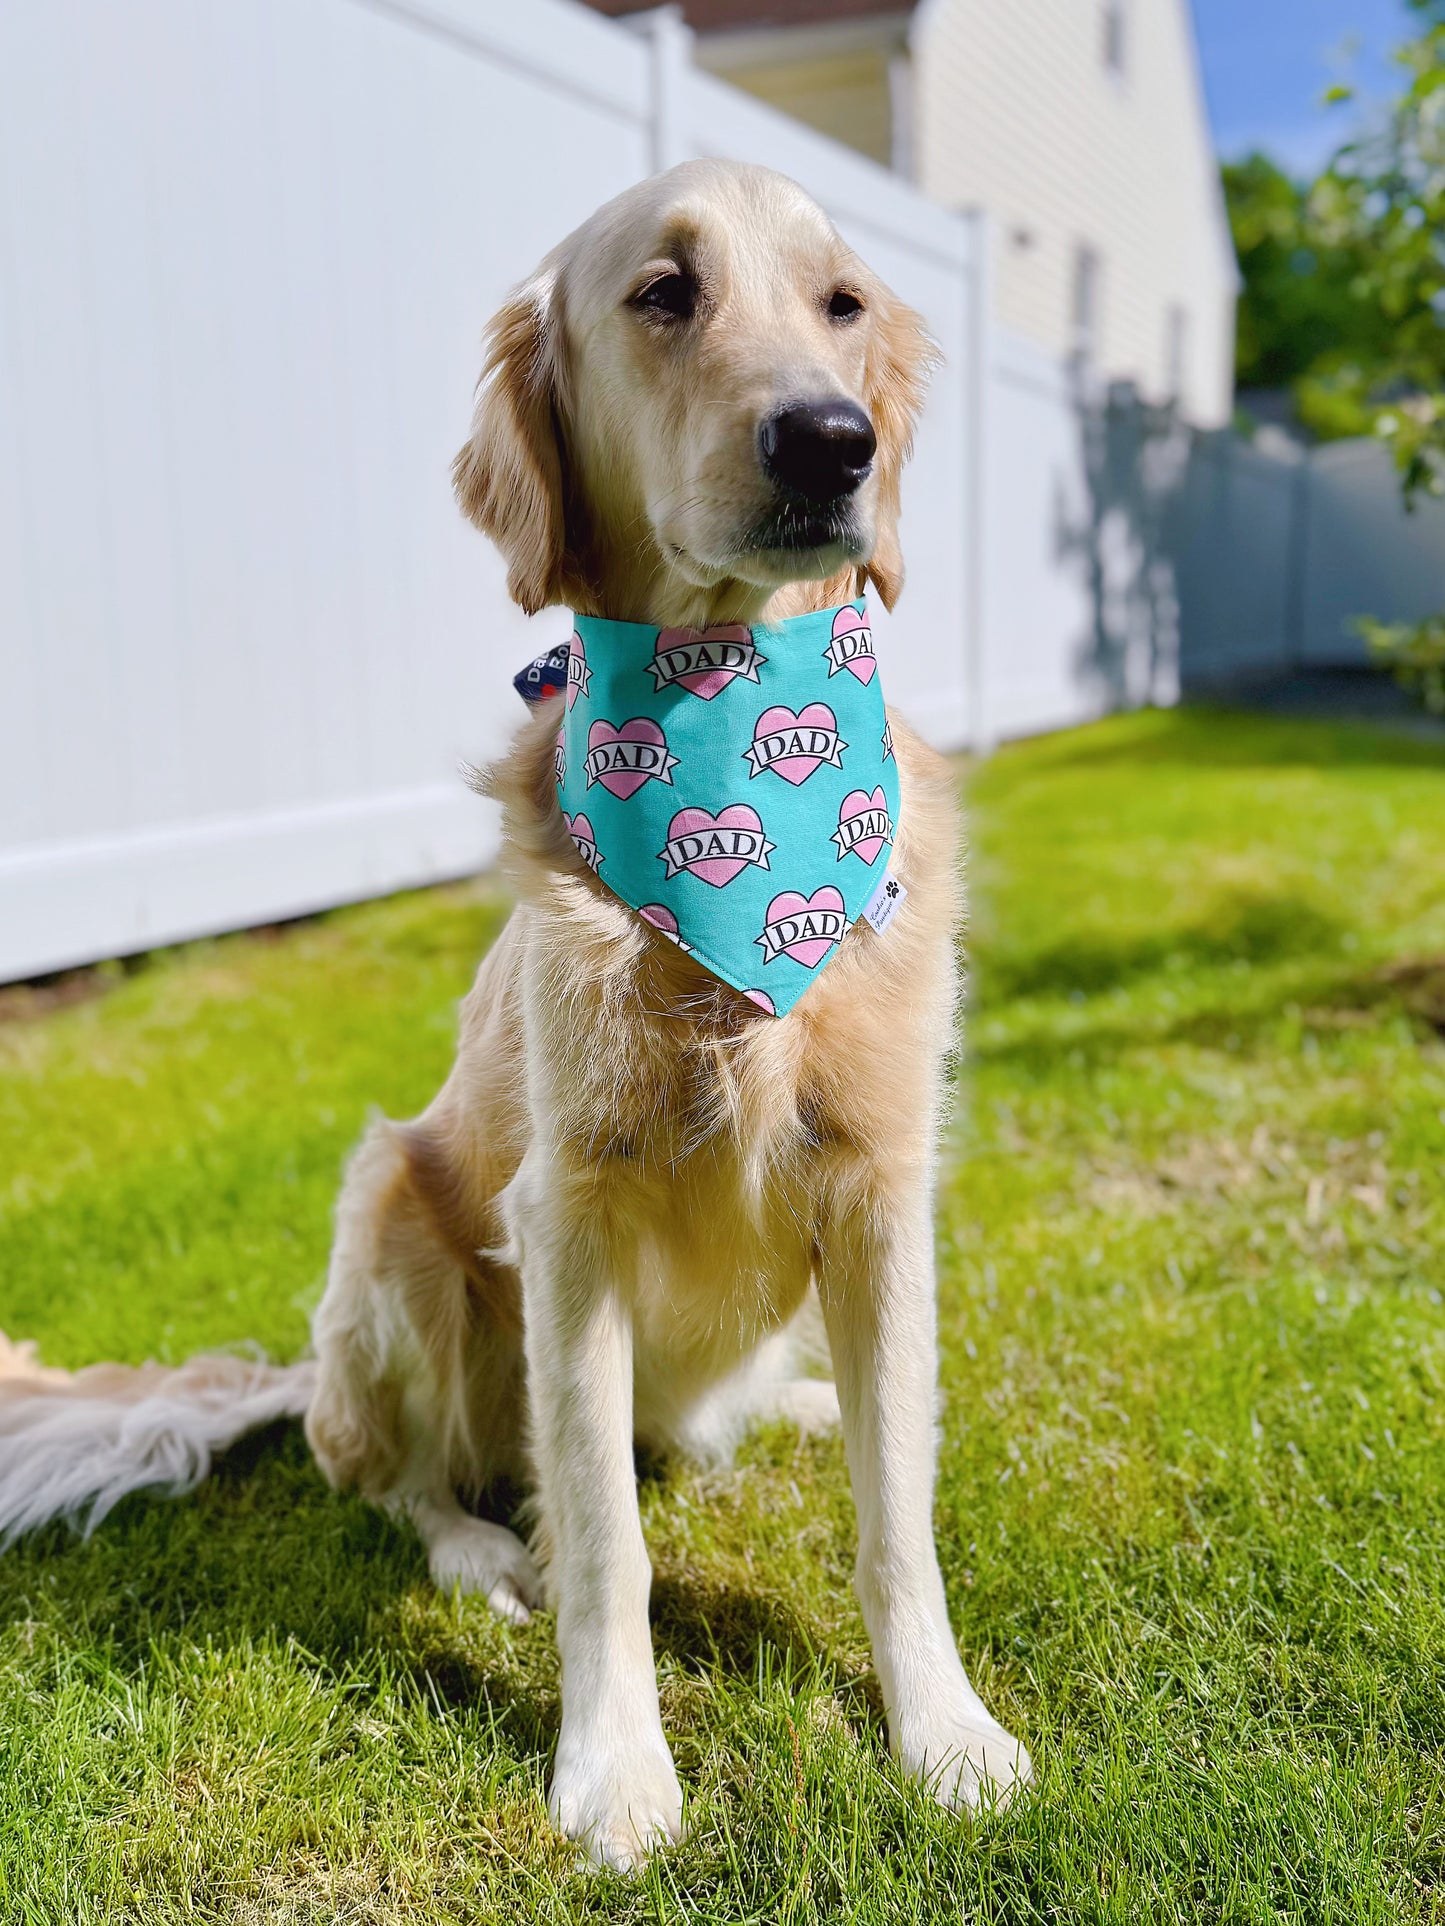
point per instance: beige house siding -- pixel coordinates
(839, 76)
(1016, 111)
(844, 95)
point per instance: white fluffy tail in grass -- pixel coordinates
(74, 1443)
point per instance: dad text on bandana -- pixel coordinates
(703, 664)
(795, 742)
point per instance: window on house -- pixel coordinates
(1086, 301)
(1116, 37)
(1176, 351)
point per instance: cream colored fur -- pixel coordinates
(74, 1443)
(606, 1226)
(610, 1223)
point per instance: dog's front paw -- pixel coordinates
(476, 1556)
(968, 1762)
(620, 1803)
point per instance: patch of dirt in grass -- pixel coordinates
(1314, 1193)
(458, 1868)
(307, 1895)
(1419, 982)
(24, 1002)
(325, 1900)
(1416, 982)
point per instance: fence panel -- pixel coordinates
(251, 248)
(1279, 552)
(1365, 553)
(245, 638)
(1039, 606)
(1234, 544)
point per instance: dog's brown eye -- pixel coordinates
(843, 306)
(672, 295)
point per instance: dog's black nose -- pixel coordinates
(821, 450)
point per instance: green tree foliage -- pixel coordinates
(1344, 300)
(1299, 309)
(1344, 296)
(1386, 195)
(1382, 201)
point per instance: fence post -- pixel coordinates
(670, 45)
(1298, 562)
(977, 428)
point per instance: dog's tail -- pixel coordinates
(73, 1444)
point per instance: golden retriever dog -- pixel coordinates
(609, 1225)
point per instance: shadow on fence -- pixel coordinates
(1133, 459)
(1210, 561)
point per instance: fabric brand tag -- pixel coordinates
(883, 905)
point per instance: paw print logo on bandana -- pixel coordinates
(793, 744)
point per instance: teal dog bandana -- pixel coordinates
(735, 786)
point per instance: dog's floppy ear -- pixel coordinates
(509, 476)
(901, 357)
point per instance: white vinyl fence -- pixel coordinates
(1128, 556)
(247, 248)
(1315, 539)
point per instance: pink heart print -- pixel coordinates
(698, 842)
(857, 803)
(579, 676)
(762, 999)
(807, 948)
(579, 828)
(623, 777)
(662, 918)
(797, 765)
(851, 646)
(704, 661)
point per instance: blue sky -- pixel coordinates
(1267, 62)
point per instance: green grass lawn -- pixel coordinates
(1191, 1502)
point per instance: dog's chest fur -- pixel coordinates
(721, 1140)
